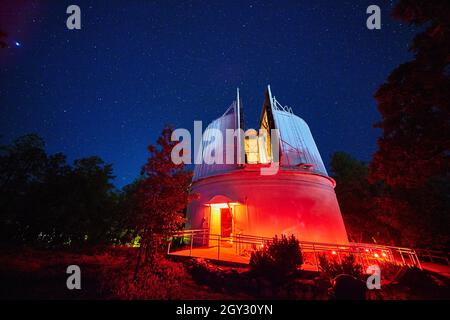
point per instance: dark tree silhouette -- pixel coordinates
(414, 102)
(414, 149)
(162, 195)
(357, 201)
(46, 202)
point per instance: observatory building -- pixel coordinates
(238, 199)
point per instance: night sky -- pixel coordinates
(109, 88)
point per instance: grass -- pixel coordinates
(27, 273)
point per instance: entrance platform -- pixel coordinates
(238, 249)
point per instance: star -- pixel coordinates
(186, 66)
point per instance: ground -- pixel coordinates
(41, 274)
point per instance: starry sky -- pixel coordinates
(109, 88)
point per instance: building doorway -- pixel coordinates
(226, 222)
(221, 221)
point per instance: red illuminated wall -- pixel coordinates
(290, 202)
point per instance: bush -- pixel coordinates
(161, 279)
(348, 265)
(279, 258)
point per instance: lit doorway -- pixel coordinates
(221, 224)
(221, 220)
(226, 222)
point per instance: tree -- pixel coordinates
(21, 164)
(414, 150)
(124, 227)
(22, 161)
(162, 194)
(47, 202)
(414, 103)
(357, 200)
(88, 202)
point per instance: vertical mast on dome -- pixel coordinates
(269, 92)
(238, 111)
(239, 125)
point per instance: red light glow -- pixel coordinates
(267, 205)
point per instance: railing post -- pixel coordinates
(401, 255)
(361, 258)
(168, 247)
(416, 258)
(411, 258)
(192, 242)
(391, 256)
(431, 257)
(316, 259)
(338, 254)
(239, 245)
(218, 247)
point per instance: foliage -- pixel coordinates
(162, 192)
(128, 207)
(160, 279)
(414, 150)
(357, 202)
(347, 287)
(47, 202)
(414, 102)
(333, 267)
(160, 198)
(408, 178)
(277, 259)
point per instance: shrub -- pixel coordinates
(279, 258)
(348, 265)
(161, 279)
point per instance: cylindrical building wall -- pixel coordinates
(290, 202)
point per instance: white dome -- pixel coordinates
(297, 146)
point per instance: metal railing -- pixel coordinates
(241, 245)
(433, 256)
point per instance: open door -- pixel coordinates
(226, 222)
